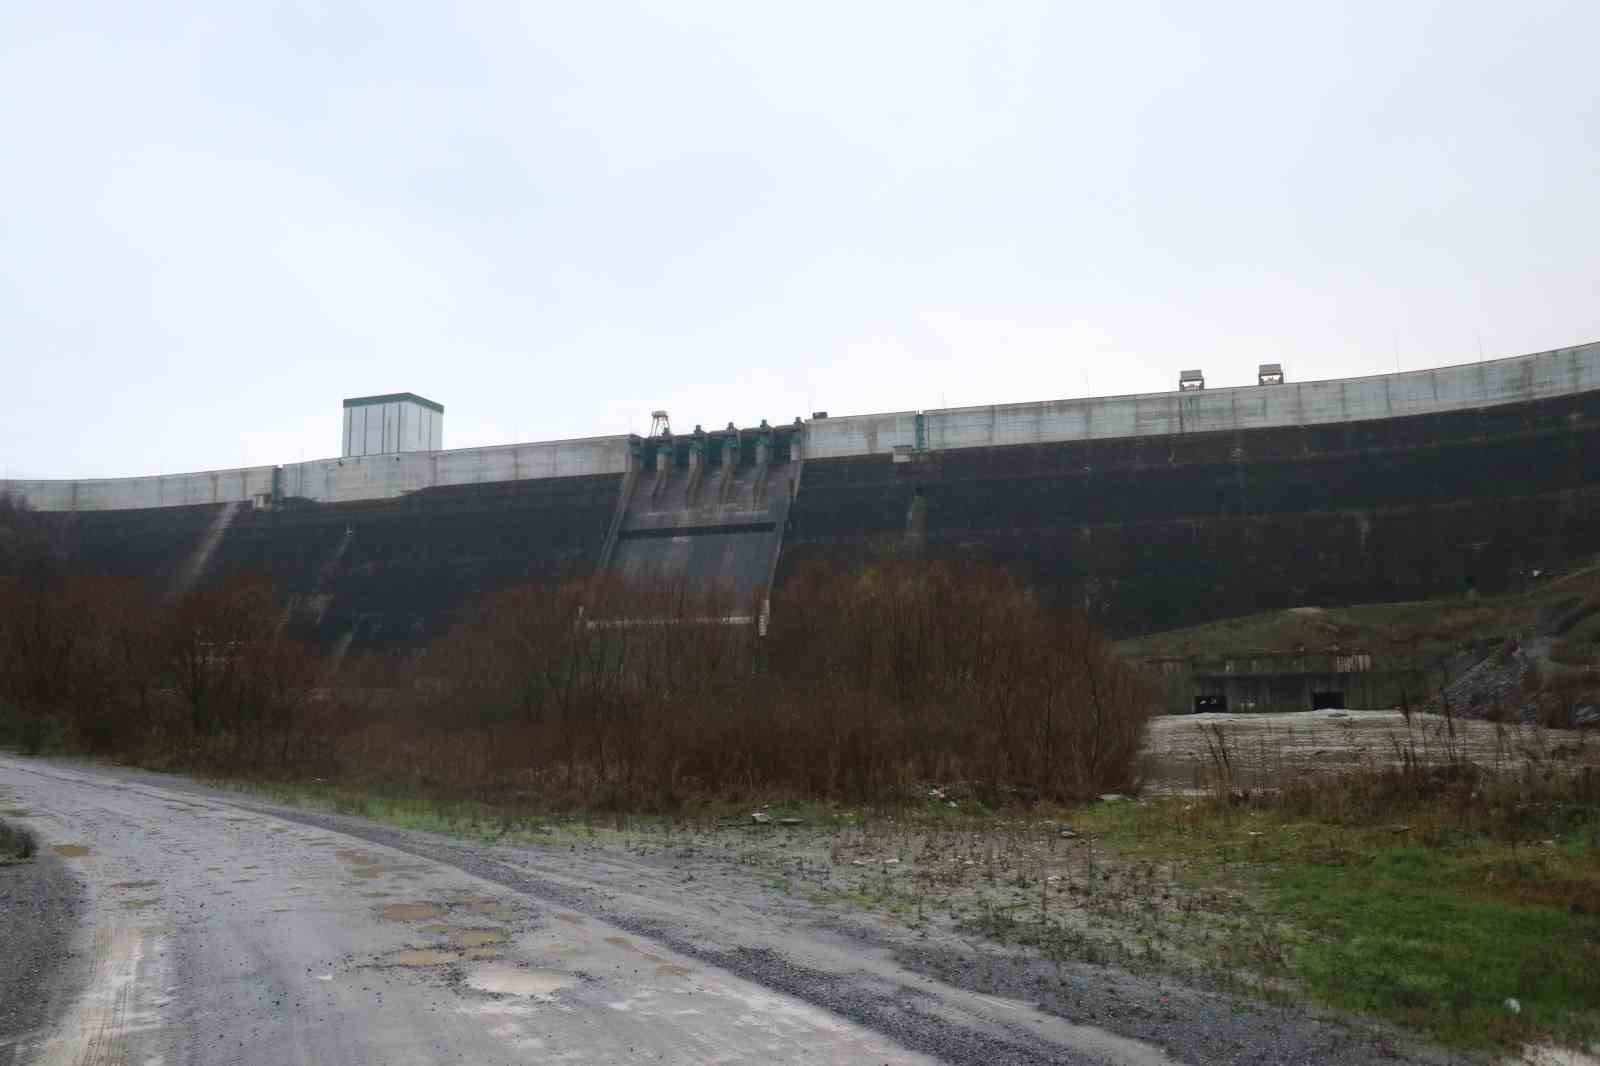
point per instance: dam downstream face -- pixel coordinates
(1186, 511)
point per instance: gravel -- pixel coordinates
(39, 906)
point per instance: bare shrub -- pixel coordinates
(867, 683)
(604, 693)
(16, 842)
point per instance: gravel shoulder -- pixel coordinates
(933, 987)
(40, 903)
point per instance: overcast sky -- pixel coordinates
(222, 218)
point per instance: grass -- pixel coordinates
(1420, 918)
(1417, 634)
(395, 805)
(16, 843)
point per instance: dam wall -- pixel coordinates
(1149, 512)
(1151, 533)
(384, 573)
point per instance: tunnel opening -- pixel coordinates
(1211, 701)
(1327, 701)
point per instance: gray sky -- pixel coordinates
(223, 218)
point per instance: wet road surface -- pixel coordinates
(216, 931)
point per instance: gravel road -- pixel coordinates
(221, 929)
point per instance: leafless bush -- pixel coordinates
(16, 842)
(867, 683)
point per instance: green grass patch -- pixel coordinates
(1432, 929)
(1411, 934)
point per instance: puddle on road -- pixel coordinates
(477, 938)
(422, 957)
(411, 912)
(504, 980)
(18, 812)
(436, 928)
(571, 919)
(376, 895)
(367, 873)
(668, 970)
(71, 851)
(354, 857)
(137, 904)
(620, 942)
(135, 884)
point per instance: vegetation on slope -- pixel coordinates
(1533, 656)
(595, 694)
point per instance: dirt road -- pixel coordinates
(224, 930)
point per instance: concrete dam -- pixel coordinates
(1149, 511)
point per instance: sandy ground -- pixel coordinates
(224, 929)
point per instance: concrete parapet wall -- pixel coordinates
(832, 438)
(371, 477)
(1544, 375)
(132, 493)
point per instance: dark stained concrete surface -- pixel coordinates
(1149, 533)
(1160, 532)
